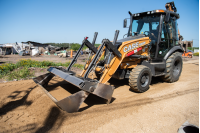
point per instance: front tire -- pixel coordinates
(173, 67)
(140, 78)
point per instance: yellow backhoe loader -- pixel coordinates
(150, 49)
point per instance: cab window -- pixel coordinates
(168, 37)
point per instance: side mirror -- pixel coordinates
(167, 17)
(125, 23)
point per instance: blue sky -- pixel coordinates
(70, 21)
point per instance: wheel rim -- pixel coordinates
(176, 67)
(144, 79)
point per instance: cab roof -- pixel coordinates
(154, 12)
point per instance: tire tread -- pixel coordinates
(134, 77)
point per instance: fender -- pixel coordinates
(172, 50)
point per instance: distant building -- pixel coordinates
(185, 44)
(36, 45)
(6, 49)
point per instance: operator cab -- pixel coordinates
(160, 26)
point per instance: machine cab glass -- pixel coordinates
(169, 37)
(149, 26)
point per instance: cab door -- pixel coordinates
(169, 37)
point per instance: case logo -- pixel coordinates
(134, 45)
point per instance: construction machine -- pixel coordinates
(150, 49)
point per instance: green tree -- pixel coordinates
(97, 45)
(75, 46)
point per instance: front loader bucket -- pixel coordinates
(87, 85)
(72, 103)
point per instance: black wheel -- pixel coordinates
(174, 67)
(140, 78)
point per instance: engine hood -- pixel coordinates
(119, 42)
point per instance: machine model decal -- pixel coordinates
(134, 45)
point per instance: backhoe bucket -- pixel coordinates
(72, 103)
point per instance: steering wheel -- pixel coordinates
(136, 33)
(124, 35)
(146, 33)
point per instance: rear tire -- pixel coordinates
(173, 67)
(140, 78)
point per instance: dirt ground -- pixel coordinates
(163, 108)
(53, 58)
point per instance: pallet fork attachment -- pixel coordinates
(88, 86)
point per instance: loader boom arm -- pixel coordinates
(89, 45)
(114, 64)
